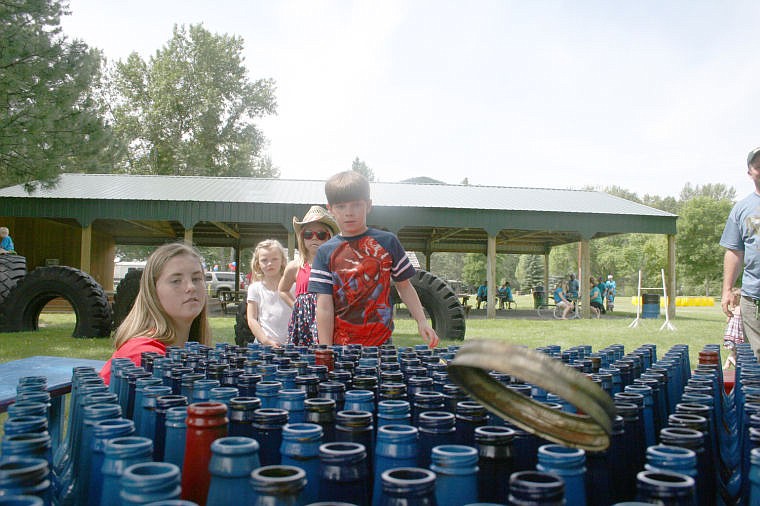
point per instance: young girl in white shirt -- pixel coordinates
(267, 313)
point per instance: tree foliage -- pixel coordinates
(49, 119)
(359, 166)
(189, 109)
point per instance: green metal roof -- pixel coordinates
(427, 217)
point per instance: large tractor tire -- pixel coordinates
(12, 269)
(243, 334)
(441, 304)
(22, 308)
(125, 296)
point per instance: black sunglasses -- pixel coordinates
(322, 236)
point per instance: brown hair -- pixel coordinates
(147, 317)
(346, 187)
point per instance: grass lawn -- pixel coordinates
(695, 326)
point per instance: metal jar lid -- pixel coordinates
(590, 431)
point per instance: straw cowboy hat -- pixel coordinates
(315, 214)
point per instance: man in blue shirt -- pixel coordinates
(741, 238)
(573, 287)
(482, 295)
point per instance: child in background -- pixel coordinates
(169, 308)
(734, 329)
(267, 313)
(352, 272)
(6, 243)
(316, 228)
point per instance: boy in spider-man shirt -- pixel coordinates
(352, 272)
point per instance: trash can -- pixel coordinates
(650, 305)
(539, 297)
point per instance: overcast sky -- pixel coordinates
(646, 95)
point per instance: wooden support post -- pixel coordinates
(85, 254)
(671, 277)
(291, 245)
(189, 236)
(491, 277)
(583, 274)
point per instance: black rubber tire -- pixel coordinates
(21, 311)
(243, 334)
(125, 296)
(12, 269)
(441, 304)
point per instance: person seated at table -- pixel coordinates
(482, 295)
(563, 303)
(505, 295)
(597, 306)
(170, 307)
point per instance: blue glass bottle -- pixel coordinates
(393, 412)
(754, 477)
(436, 428)
(163, 404)
(536, 488)
(426, 401)
(407, 486)
(495, 458)
(176, 432)
(149, 482)
(661, 487)
(202, 389)
(223, 394)
(456, 467)
(267, 391)
(343, 473)
(333, 390)
(469, 416)
(672, 459)
(147, 427)
(359, 400)
(241, 411)
(292, 400)
(102, 432)
(300, 447)
(570, 465)
(397, 446)
(650, 436)
(120, 453)
(278, 485)
(232, 461)
(705, 491)
(322, 412)
(267, 430)
(357, 427)
(26, 476)
(140, 385)
(92, 414)
(37, 445)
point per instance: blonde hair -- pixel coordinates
(736, 295)
(147, 317)
(267, 244)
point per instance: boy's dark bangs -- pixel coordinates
(354, 191)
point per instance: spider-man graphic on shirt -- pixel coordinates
(357, 272)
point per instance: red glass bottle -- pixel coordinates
(324, 356)
(206, 422)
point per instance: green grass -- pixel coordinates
(695, 326)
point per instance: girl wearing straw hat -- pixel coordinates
(316, 228)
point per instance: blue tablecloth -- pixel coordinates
(57, 370)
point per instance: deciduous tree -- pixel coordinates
(190, 108)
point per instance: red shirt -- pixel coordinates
(132, 350)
